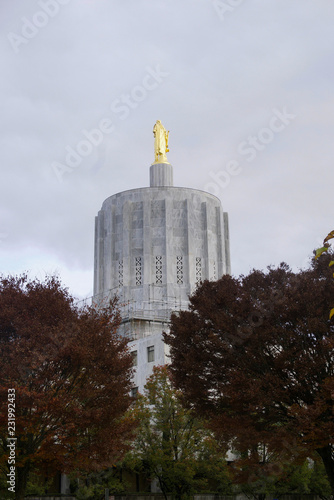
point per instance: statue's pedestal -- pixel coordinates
(161, 174)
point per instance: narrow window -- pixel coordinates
(134, 355)
(150, 354)
(134, 392)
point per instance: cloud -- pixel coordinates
(224, 79)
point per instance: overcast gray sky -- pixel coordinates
(244, 86)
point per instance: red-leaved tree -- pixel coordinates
(68, 373)
(255, 355)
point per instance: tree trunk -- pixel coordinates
(22, 475)
(327, 455)
(162, 486)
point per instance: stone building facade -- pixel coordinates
(153, 246)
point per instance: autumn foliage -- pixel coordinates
(255, 356)
(71, 374)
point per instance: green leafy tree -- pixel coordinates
(173, 445)
(285, 478)
(318, 483)
(322, 250)
(93, 485)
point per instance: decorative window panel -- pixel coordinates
(198, 272)
(158, 270)
(138, 263)
(179, 270)
(120, 273)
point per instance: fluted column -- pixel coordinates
(161, 174)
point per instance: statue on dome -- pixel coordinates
(160, 142)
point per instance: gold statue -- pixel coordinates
(160, 142)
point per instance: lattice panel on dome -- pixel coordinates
(179, 270)
(158, 270)
(139, 278)
(120, 273)
(198, 270)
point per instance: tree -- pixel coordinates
(255, 356)
(322, 250)
(172, 444)
(93, 486)
(276, 475)
(65, 376)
